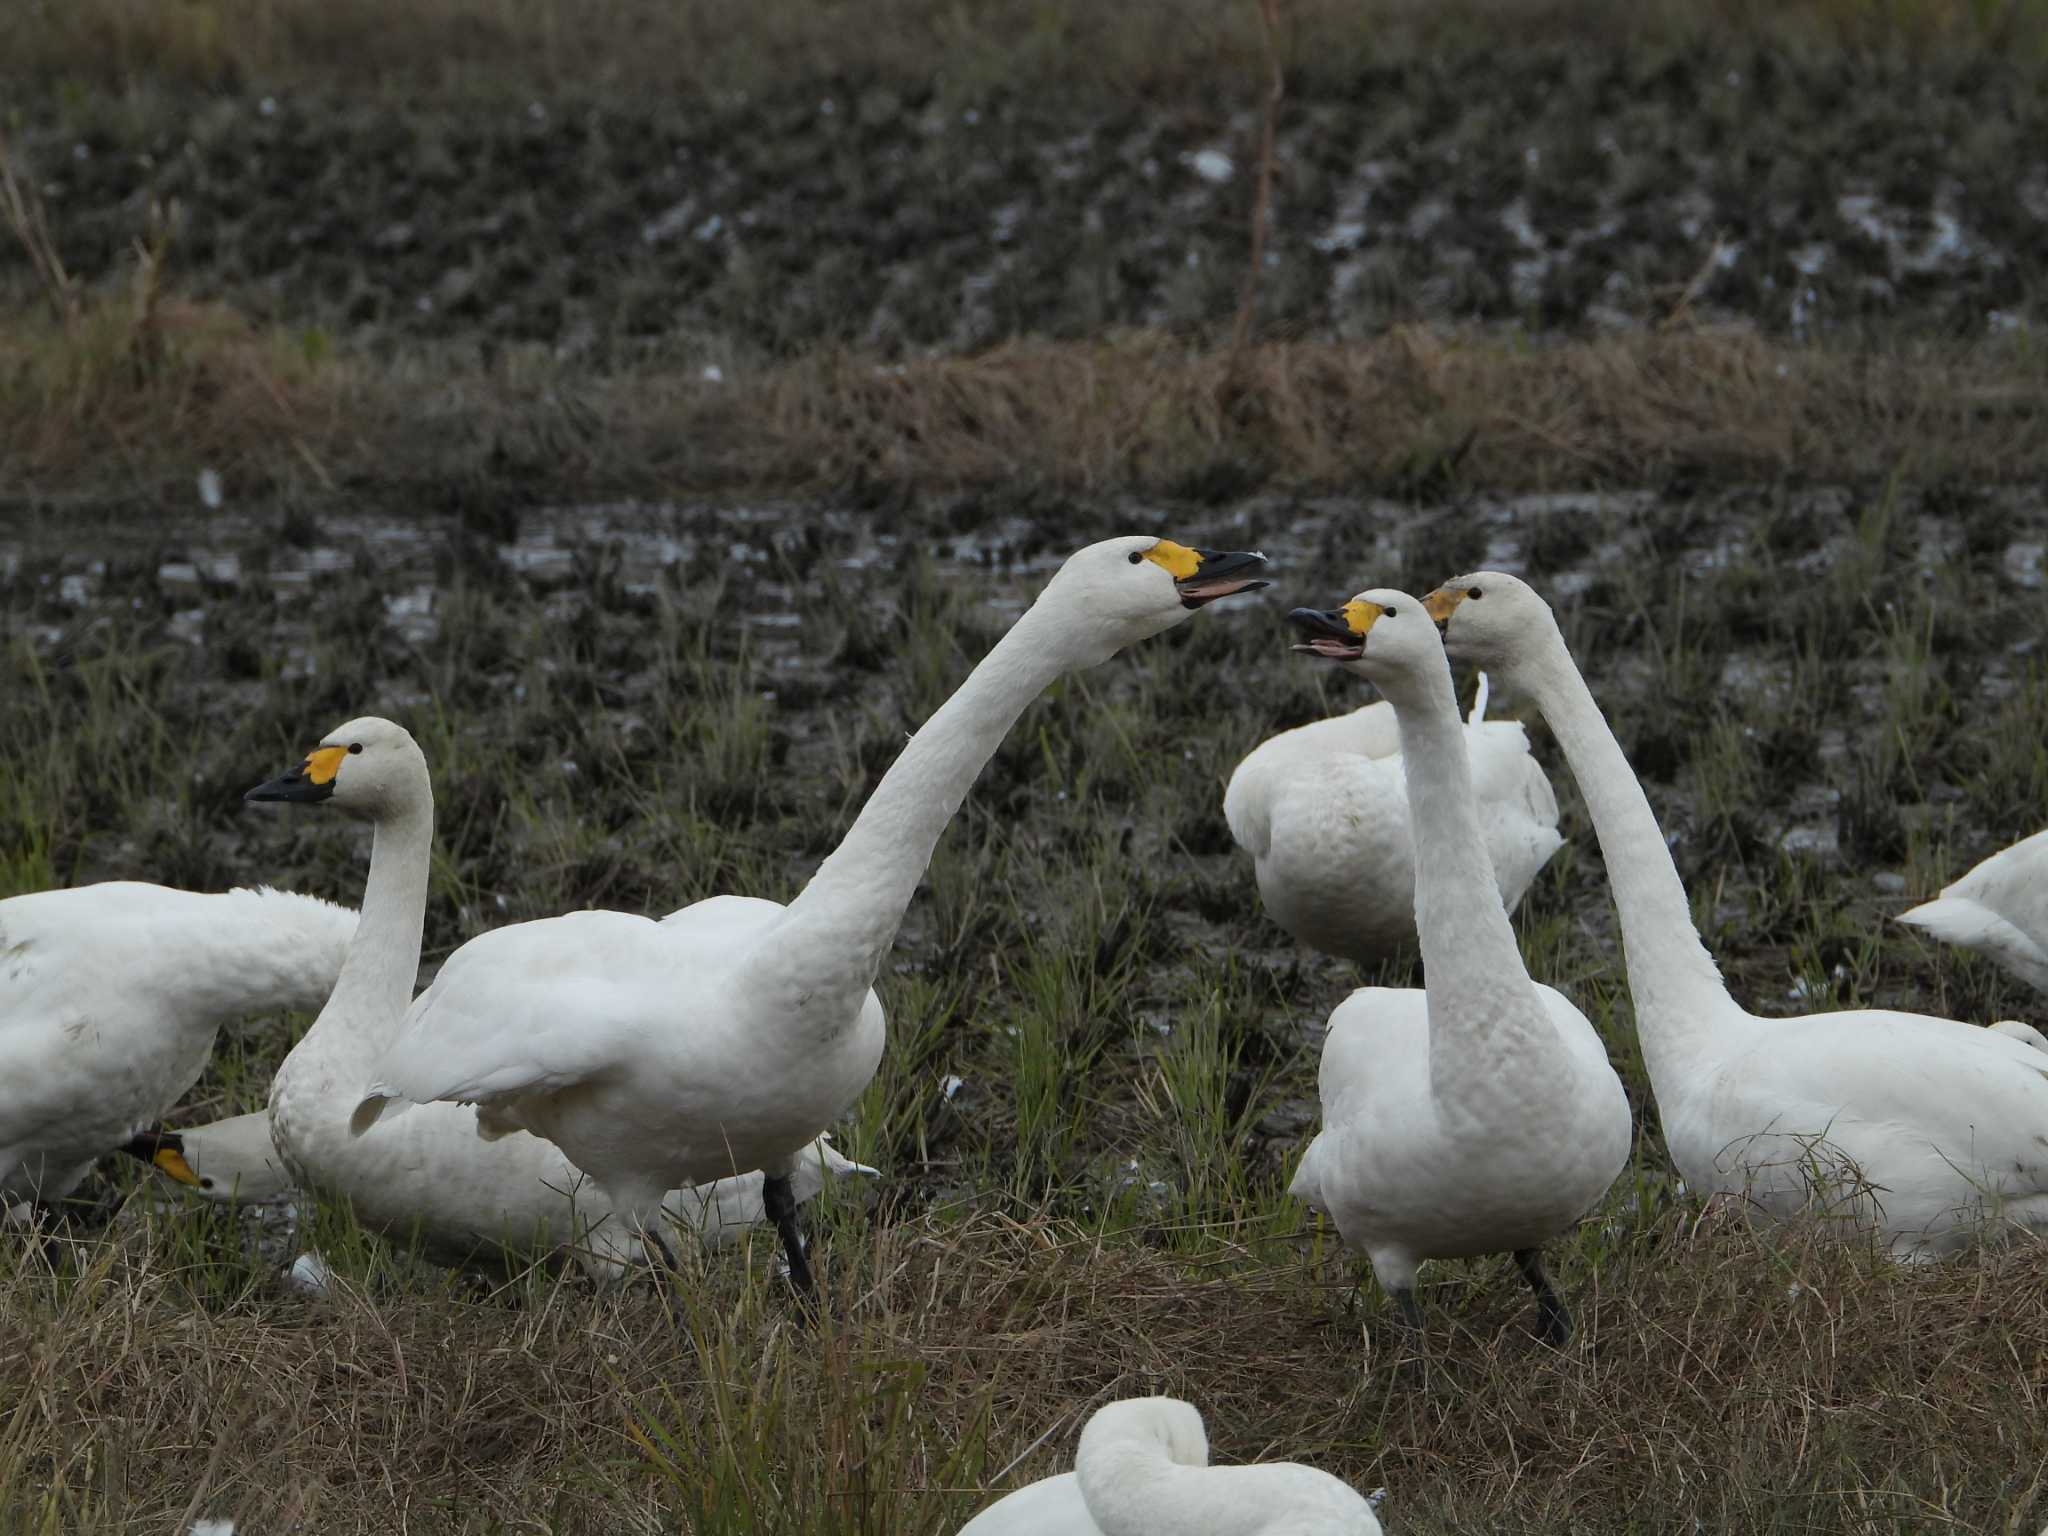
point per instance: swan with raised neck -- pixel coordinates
(1142, 1469)
(1481, 1114)
(430, 1178)
(730, 1035)
(1923, 1131)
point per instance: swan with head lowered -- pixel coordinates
(111, 996)
(1923, 1131)
(428, 1179)
(1323, 811)
(1479, 1114)
(727, 1037)
(1142, 1469)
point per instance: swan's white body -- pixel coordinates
(429, 1178)
(110, 998)
(728, 1036)
(1920, 1130)
(1323, 811)
(235, 1160)
(1480, 1114)
(1999, 907)
(1142, 1469)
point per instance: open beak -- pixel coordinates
(308, 784)
(1221, 575)
(1328, 633)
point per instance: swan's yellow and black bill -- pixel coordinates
(1440, 604)
(165, 1150)
(1203, 575)
(311, 782)
(1338, 633)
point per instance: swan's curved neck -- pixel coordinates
(822, 956)
(1133, 1488)
(374, 989)
(1487, 1025)
(1673, 981)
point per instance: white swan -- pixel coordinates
(1142, 1469)
(110, 998)
(2017, 1029)
(2000, 907)
(728, 1036)
(428, 1178)
(236, 1161)
(1323, 812)
(1480, 1114)
(1915, 1128)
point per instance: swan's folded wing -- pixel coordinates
(528, 1009)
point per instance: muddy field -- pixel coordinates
(1573, 190)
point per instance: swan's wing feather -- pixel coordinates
(530, 1008)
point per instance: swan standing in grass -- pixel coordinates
(110, 998)
(1918, 1129)
(1480, 1114)
(235, 1161)
(727, 1037)
(2000, 907)
(1323, 812)
(1142, 1469)
(428, 1178)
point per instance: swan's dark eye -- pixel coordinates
(1386, 612)
(355, 746)
(1136, 557)
(1474, 592)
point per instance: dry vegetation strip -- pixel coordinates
(125, 402)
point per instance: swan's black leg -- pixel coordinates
(1556, 1325)
(1411, 1309)
(778, 1198)
(651, 1239)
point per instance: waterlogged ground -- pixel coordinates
(1576, 188)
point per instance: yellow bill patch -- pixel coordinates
(1438, 604)
(172, 1162)
(1361, 615)
(1180, 561)
(324, 763)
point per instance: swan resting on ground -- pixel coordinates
(234, 1161)
(110, 998)
(1142, 1469)
(430, 1178)
(1479, 1114)
(1323, 812)
(728, 1036)
(1999, 907)
(1923, 1131)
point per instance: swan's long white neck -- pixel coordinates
(1676, 987)
(1488, 1028)
(1133, 1486)
(375, 987)
(820, 959)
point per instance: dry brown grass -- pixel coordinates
(1745, 1384)
(129, 399)
(972, 48)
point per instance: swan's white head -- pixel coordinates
(1489, 618)
(369, 767)
(1121, 591)
(1382, 635)
(1149, 1424)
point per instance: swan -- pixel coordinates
(110, 998)
(1916, 1129)
(726, 1037)
(1479, 1114)
(429, 1178)
(1323, 813)
(235, 1161)
(2016, 1029)
(2000, 907)
(1142, 1469)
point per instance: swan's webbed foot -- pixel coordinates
(778, 1198)
(1555, 1325)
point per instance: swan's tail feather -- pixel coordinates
(379, 1102)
